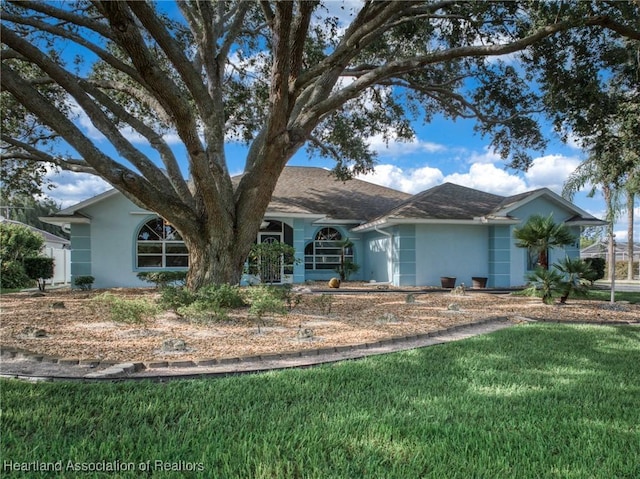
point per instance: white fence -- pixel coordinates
(61, 266)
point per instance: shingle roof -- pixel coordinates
(311, 190)
(448, 201)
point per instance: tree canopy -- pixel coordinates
(277, 76)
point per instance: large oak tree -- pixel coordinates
(276, 75)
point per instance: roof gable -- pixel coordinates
(314, 191)
(447, 201)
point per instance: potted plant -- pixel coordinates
(448, 282)
(479, 282)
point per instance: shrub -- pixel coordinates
(174, 297)
(598, 266)
(210, 303)
(265, 300)
(323, 302)
(201, 313)
(126, 310)
(577, 274)
(39, 268)
(163, 279)
(221, 295)
(84, 282)
(543, 282)
(12, 276)
(16, 243)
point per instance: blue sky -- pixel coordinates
(443, 151)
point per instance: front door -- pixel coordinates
(271, 269)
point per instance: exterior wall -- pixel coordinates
(377, 257)
(460, 251)
(499, 256)
(543, 207)
(110, 243)
(404, 247)
(81, 264)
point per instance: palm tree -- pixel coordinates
(539, 234)
(577, 277)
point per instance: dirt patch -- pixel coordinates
(81, 330)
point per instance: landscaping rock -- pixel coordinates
(305, 333)
(388, 318)
(32, 332)
(334, 283)
(173, 344)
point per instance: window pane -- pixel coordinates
(176, 248)
(150, 261)
(328, 234)
(177, 261)
(171, 234)
(150, 231)
(149, 248)
(325, 266)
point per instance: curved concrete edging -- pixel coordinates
(169, 370)
(166, 370)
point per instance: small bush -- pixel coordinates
(265, 300)
(84, 282)
(598, 266)
(221, 295)
(163, 279)
(39, 268)
(12, 276)
(201, 313)
(126, 310)
(208, 304)
(323, 303)
(173, 297)
(543, 283)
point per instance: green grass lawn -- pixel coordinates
(532, 401)
(605, 295)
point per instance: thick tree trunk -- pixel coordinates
(217, 254)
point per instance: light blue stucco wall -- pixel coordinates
(80, 251)
(404, 250)
(460, 251)
(500, 240)
(113, 231)
(377, 259)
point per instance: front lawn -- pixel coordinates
(605, 295)
(532, 401)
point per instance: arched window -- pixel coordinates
(325, 251)
(159, 245)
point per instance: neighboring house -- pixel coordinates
(398, 238)
(601, 250)
(54, 247)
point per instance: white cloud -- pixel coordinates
(550, 171)
(71, 188)
(397, 149)
(486, 177)
(621, 235)
(410, 181)
(487, 156)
